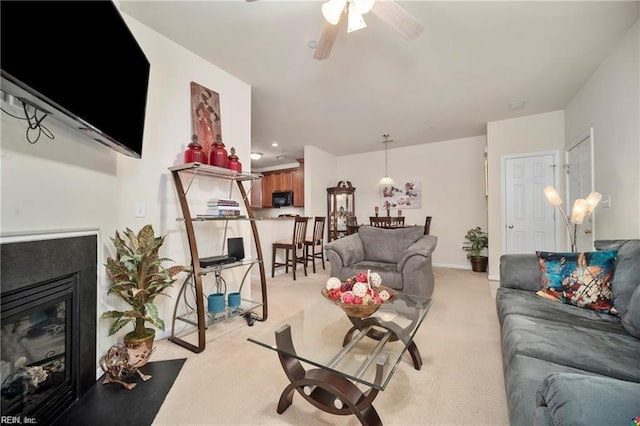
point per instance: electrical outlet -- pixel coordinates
(141, 210)
(606, 202)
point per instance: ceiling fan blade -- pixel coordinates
(398, 18)
(327, 39)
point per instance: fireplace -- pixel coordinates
(48, 325)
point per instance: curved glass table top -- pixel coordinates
(325, 337)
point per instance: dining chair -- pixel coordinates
(294, 248)
(397, 222)
(427, 225)
(315, 241)
(352, 225)
(380, 221)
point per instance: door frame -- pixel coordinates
(503, 191)
(582, 136)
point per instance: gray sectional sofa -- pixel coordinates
(565, 364)
(401, 256)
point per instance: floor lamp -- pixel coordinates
(581, 209)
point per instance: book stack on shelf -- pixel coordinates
(222, 207)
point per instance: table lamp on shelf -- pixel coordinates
(581, 209)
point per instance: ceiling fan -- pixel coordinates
(387, 10)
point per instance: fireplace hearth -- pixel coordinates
(48, 325)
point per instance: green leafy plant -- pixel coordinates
(476, 241)
(137, 277)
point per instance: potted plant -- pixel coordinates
(476, 241)
(137, 276)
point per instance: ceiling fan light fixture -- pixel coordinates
(364, 6)
(332, 9)
(355, 20)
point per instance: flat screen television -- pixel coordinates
(79, 62)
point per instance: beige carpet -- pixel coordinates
(236, 382)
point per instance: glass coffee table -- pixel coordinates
(348, 353)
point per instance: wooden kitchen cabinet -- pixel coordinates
(267, 189)
(286, 180)
(281, 181)
(256, 193)
(298, 186)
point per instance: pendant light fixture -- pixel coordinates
(386, 180)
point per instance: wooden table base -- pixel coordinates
(398, 333)
(325, 390)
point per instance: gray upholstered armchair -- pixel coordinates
(401, 256)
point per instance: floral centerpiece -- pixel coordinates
(359, 296)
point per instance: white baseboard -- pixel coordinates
(452, 266)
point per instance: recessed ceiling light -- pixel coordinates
(256, 155)
(517, 105)
(274, 144)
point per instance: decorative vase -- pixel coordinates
(232, 161)
(194, 152)
(140, 347)
(218, 155)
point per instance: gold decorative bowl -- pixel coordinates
(359, 311)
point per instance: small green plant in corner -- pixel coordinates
(137, 276)
(476, 241)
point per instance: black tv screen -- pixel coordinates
(79, 61)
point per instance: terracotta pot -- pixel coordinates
(479, 263)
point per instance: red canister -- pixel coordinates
(218, 155)
(233, 162)
(194, 152)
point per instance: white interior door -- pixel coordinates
(580, 184)
(529, 219)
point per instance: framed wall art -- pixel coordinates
(407, 195)
(205, 116)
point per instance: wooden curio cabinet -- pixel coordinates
(340, 206)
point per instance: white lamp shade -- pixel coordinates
(364, 6)
(592, 200)
(552, 196)
(355, 21)
(332, 10)
(386, 181)
(579, 211)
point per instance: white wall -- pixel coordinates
(452, 175)
(320, 173)
(534, 133)
(71, 182)
(610, 103)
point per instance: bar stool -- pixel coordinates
(316, 240)
(294, 247)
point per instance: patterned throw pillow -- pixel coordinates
(580, 279)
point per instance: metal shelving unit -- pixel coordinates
(197, 315)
